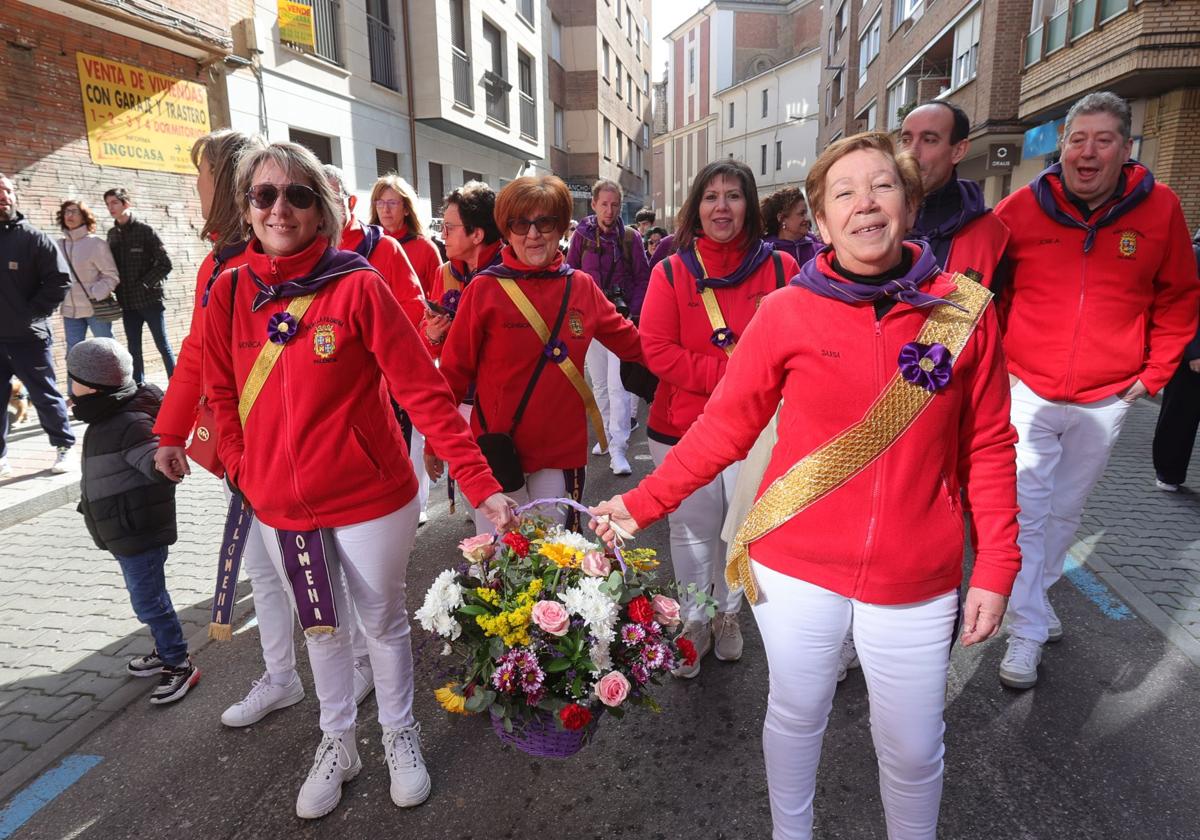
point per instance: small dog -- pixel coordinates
(18, 404)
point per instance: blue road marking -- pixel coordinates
(1090, 585)
(43, 791)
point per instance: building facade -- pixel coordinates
(114, 96)
(598, 117)
(741, 76)
(1147, 52)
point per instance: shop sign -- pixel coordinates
(1002, 157)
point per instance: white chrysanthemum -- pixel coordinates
(597, 609)
(442, 599)
(580, 543)
(601, 658)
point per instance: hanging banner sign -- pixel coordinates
(296, 23)
(140, 119)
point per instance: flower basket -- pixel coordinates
(551, 631)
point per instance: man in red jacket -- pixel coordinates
(966, 237)
(1103, 297)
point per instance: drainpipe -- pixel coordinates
(412, 119)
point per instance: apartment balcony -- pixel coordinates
(381, 42)
(464, 91)
(326, 14)
(529, 121)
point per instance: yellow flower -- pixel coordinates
(450, 700)
(642, 559)
(561, 555)
(488, 596)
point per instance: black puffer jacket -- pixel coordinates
(33, 281)
(128, 505)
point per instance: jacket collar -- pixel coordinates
(1050, 192)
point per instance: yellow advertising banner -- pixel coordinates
(140, 119)
(296, 23)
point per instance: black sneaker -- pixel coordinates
(175, 682)
(145, 666)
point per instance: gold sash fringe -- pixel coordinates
(834, 463)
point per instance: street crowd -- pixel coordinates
(831, 410)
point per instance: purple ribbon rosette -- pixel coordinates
(722, 338)
(926, 365)
(555, 350)
(450, 300)
(281, 327)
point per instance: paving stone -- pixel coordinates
(96, 685)
(11, 754)
(24, 729)
(77, 708)
(39, 705)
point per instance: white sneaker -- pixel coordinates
(699, 633)
(727, 637)
(618, 463)
(1018, 668)
(364, 679)
(1056, 628)
(335, 763)
(402, 752)
(849, 657)
(60, 464)
(597, 450)
(264, 698)
(5, 468)
(1166, 486)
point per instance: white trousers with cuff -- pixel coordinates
(614, 402)
(543, 484)
(905, 655)
(368, 573)
(1062, 450)
(698, 551)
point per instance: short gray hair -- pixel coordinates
(301, 165)
(1102, 102)
(335, 175)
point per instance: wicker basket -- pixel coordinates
(540, 734)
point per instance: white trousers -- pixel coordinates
(697, 550)
(417, 456)
(368, 573)
(543, 484)
(1062, 450)
(604, 370)
(905, 654)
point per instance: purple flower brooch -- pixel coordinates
(281, 327)
(556, 351)
(722, 338)
(927, 365)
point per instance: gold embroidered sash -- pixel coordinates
(450, 283)
(832, 464)
(267, 357)
(712, 308)
(567, 366)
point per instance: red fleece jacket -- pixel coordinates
(181, 403)
(424, 257)
(321, 446)
(391, 262)
(1079, 326)
(676, 331)
(446, 282)
(892, 534)
(491, 344)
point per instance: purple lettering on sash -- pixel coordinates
(306, 561)
(233, 545)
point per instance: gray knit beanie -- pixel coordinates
(100, 363)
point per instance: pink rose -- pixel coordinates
(596, 564)
(552, 617)
(666, 610)
(612, 688)
(479, 547)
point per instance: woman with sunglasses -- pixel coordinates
(319, 455)
(495, 344)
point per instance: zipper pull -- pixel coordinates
(878, 328)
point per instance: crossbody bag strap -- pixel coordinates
(780, 280)
(568, 368)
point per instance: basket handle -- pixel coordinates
(571, 503)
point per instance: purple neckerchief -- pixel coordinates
(332, 265)
(756, 255)
(1044, 194)
(803, 249)
(904, 288)
(942, 215)
(219, 259)
(372, 234)
(508, 273)
(307, 560)
(470, 275)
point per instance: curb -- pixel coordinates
(39, 504)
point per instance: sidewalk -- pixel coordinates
(32, 489)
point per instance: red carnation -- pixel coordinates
(687, 649)
(575, 717)
(641, 611)
(516, 542)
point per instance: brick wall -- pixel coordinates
(1173, 119)
(47, 151)
(582, 89)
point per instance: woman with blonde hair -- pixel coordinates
(895, 403)
(89, 301)
(394, 207)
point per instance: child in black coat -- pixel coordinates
(129, 506)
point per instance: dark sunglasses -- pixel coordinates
(544, 224)
(264, 196)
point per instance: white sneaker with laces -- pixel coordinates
(402, 752)
(1018, 668)
(60, 464)
(364, 679)
(618, 463)
(264, 697)
(5, 468)
(848, 657)
(727, 637)
(1056, 629)
(335, 763)
(597, 450)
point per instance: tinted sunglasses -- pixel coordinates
(544, 224)
(264, 196)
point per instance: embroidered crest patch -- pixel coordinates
(1128, 244)
(575, 323)
(324, 340)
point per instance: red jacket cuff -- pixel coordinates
(170, 440)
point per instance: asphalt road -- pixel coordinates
(1105, 747)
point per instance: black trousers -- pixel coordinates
(1175, 434)
(30, 362)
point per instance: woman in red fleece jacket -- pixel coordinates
(494, 345)
(393, 207)
(699, 303)
(894, 403)
(319, 454)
